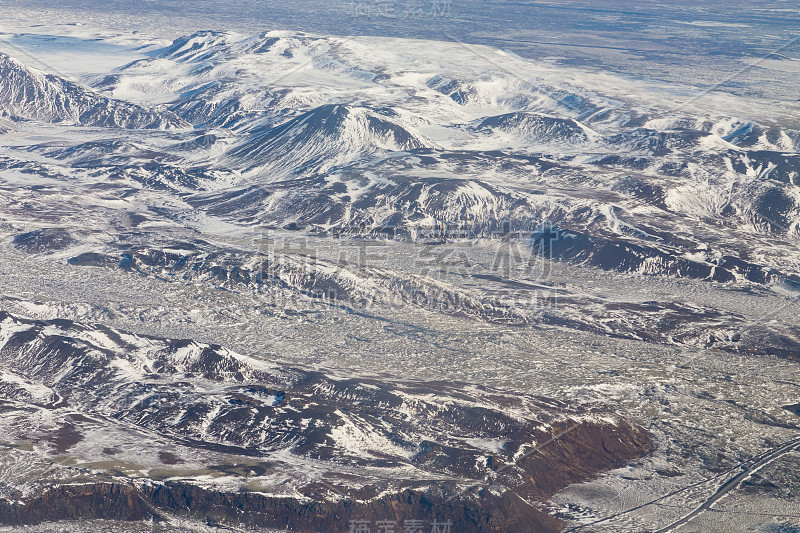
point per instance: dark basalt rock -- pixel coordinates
(109, 501)
(43, 240)
(171, 396)
(579, 455)
(123, 502)
(623, 256)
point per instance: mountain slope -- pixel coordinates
(323, 138)
(537, 129)
(28, 93)
(325, 435)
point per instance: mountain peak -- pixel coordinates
(324, 137)
(28, 93)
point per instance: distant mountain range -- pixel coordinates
(445, 145)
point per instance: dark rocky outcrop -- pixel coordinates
(207, 399)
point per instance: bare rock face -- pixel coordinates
(43, 240)
(68, 502)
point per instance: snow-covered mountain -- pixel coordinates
(370, 202)
(323, 138)
(31, 94)
(343, 135)
(204, 403)
(536, 129)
